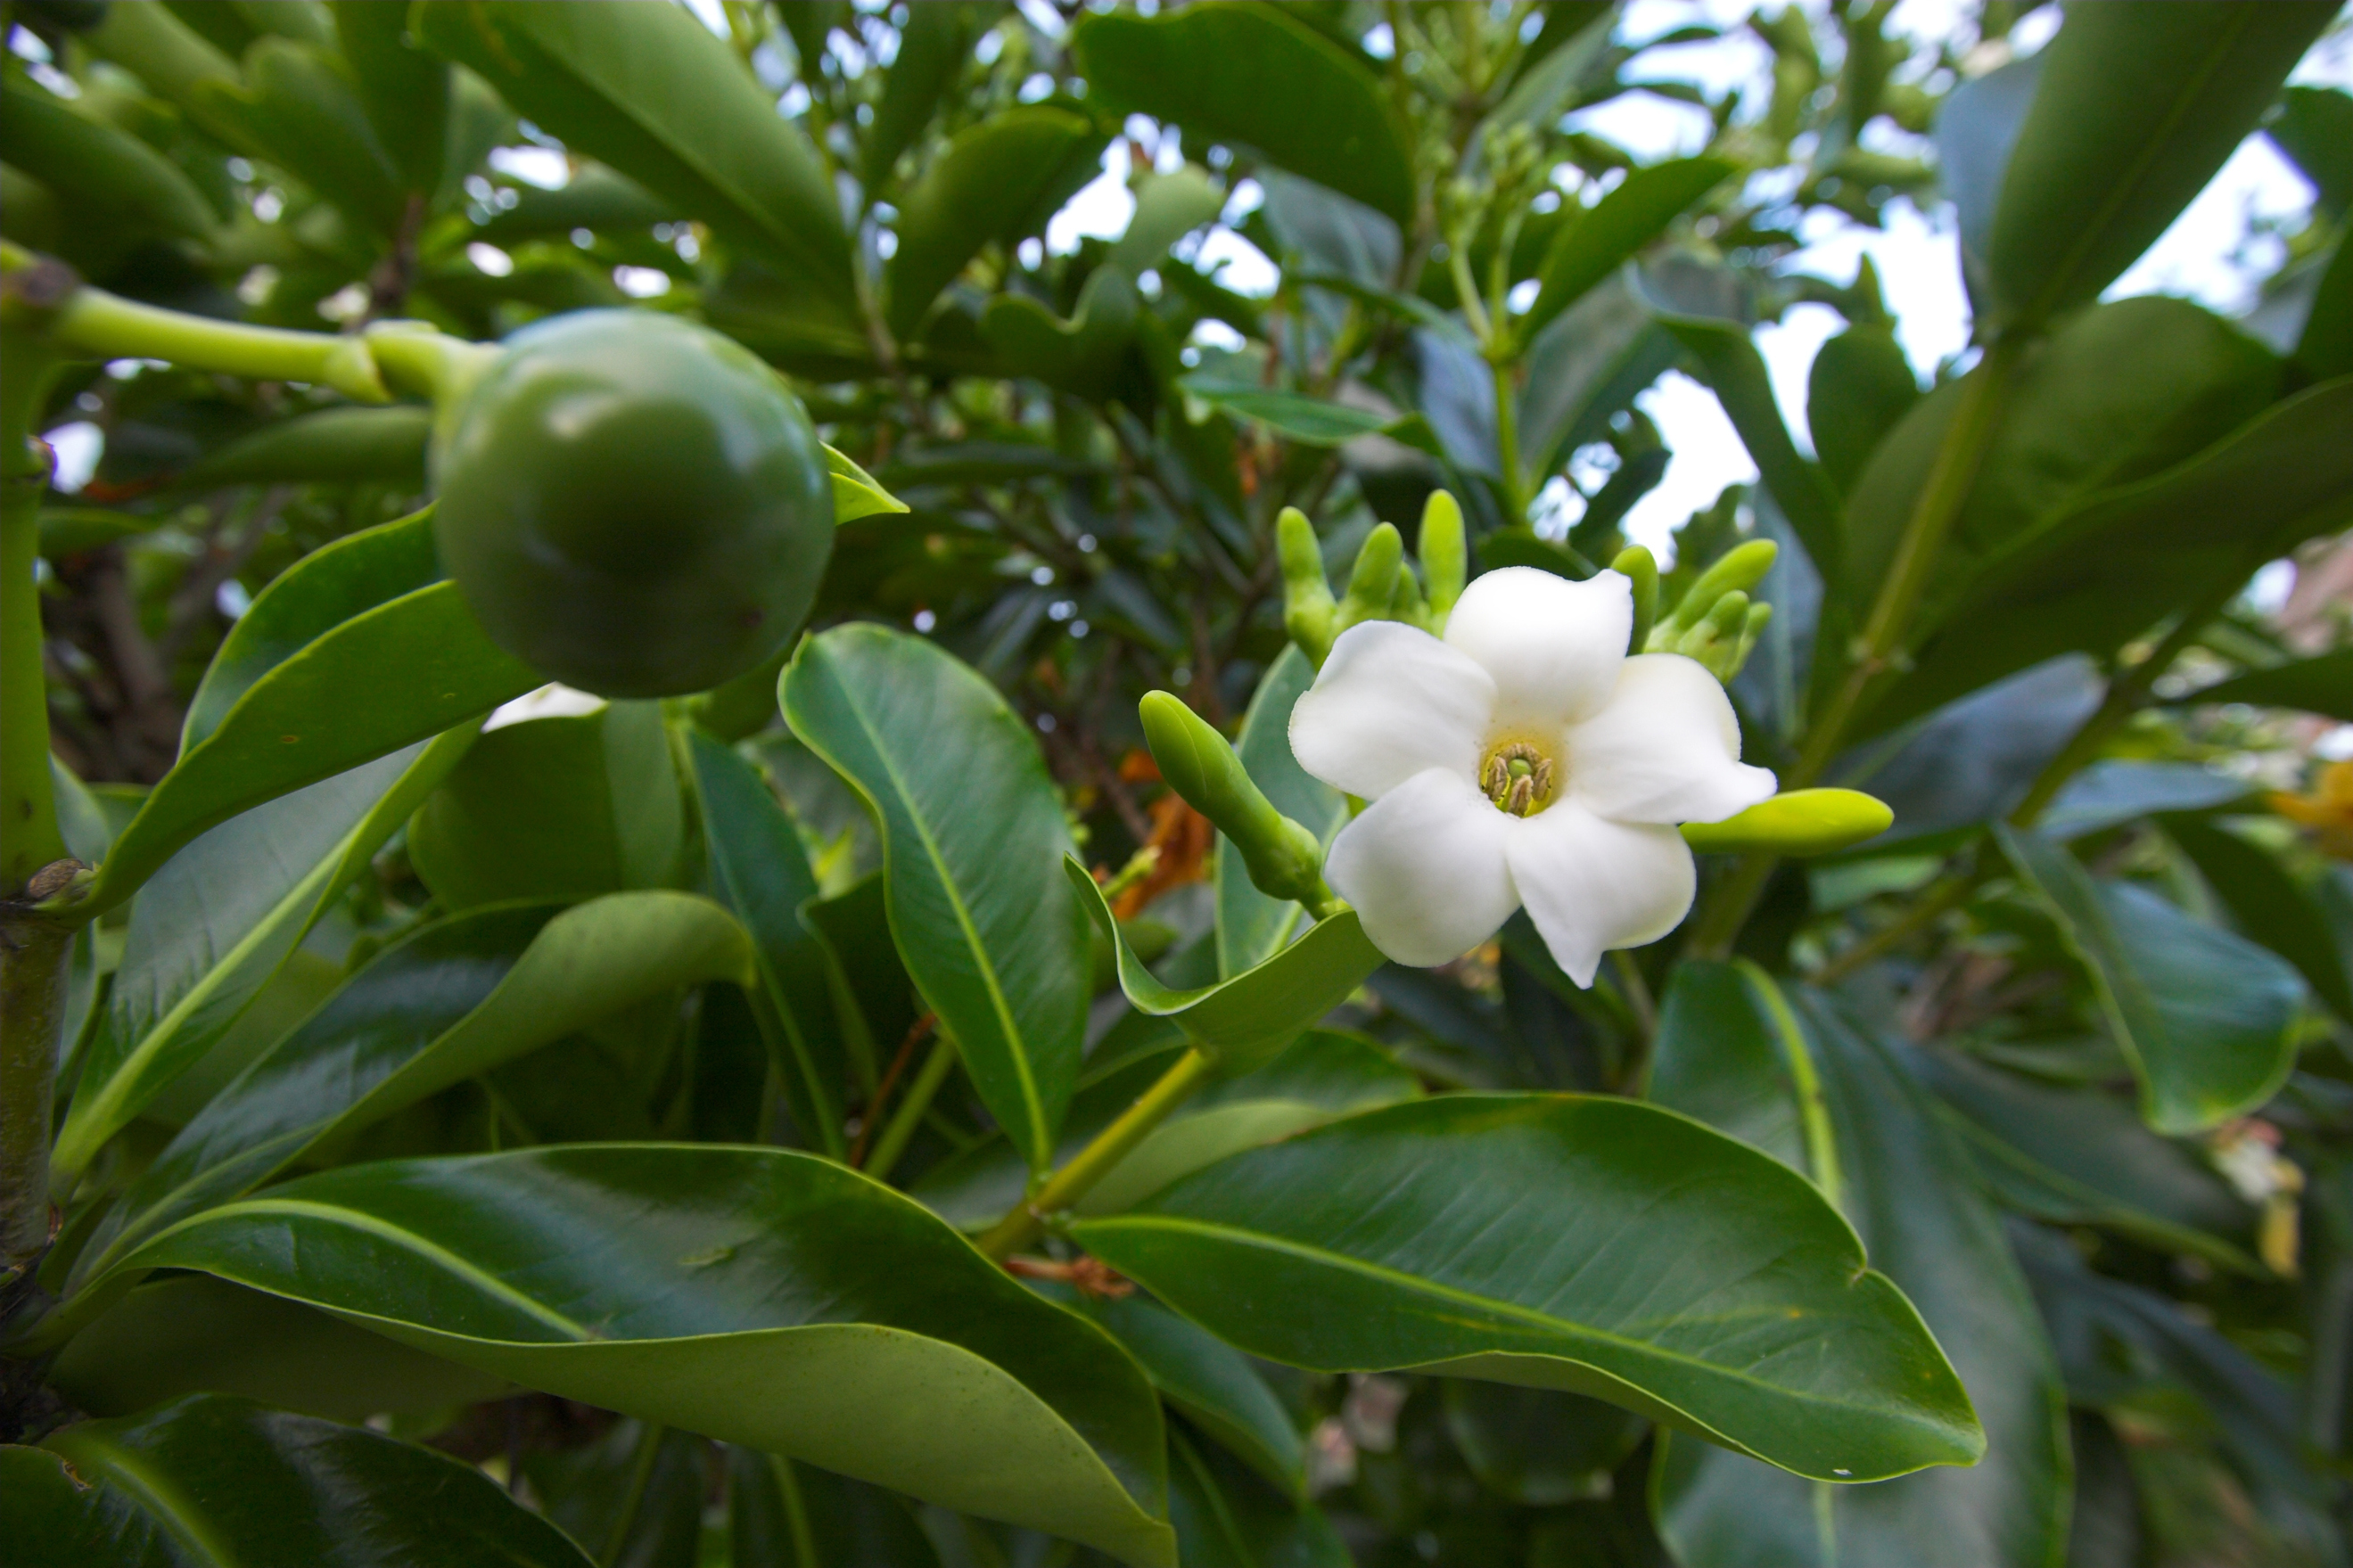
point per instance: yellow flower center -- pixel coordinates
(1518, 777)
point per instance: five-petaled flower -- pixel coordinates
(1523, 758)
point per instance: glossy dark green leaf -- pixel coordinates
(1536, 1447)
(2313, 126)
(1872, 1141)
(2206, 1018)
(193, 1334)
(1253, 926)
(1083, 355)
(786, 1515)
(298, 105)
(566, 807)
(2080, 1156)
(2104, 567)
(595, 199)
(2269, 905)
(874, 998)
(634, 1494)
(1594, 244)
(760, 871)
(1589, 1244)
(1243, 1021)
(2114, 792)
(210, 930)
(403, 91)
(2132, 109)
(999, 180)
(1224, 1514)
(208, 1482)
(297, 724)
(933, 43)
(2324, 347)
(1212, 1386)
(973, 839)
(1252, 75)
(108, 173)
(650, 91)
(1860, 388)
(452, 1002)
(1323, 1075)
(1310, 421)
(761, 1297)
(2322, 684)
(333, 446)
(1588, 364)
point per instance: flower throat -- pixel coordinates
(1518, 778)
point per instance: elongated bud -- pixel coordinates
(1642, 568)
(1802, 822)
(1405, 603)
(1285, 860)
(1308, 610)
(1373, 582)
(1444, 557)
(1740, 569)
(1758, 614)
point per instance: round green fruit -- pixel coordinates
(632, 504)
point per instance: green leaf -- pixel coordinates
(2206, 1018)
(1253, 927)
(2132, 110)
(1310, 421)
(1168, 208)
(973, 834)
(760, 871)
(208, 1479)
(1728, 362)
(855, 493)
(2113, 791)
(330, 446)
(2081, 1156)
(2322, 684)
(1591, 361)
(1537, 1447)
(650, 91)
(2324, 349)
(566, 807)
(1225, 1514)
(2101, 570)
(1860, 388)
(1083, 355)
(1245, 1021)
(760, 1297)
(1211, 1384)
(595, 199)
(405, 91)
(1255, 76)
(1671, 1270)
(784, 1515)
(1594, 244)
(296, 723)
(298, 106)
(998, 180)
(933, 43)
(108, 173)
(2313, 126)
(1323, 1075)
(1875, 1142)
(209, 931)
(874, 998)
(452, 1002)
(191, 1334)
(2268, 905)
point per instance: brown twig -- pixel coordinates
(1092, 1277)
(872, 1118)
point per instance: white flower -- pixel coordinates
(1524, 759)
(553, 700)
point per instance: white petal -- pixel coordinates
(1424, 867)
(1666, 748)
(1553, 646)
(1592, 884)
(1391, 701)
(553, 700)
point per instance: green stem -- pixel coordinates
(1813, 1109)
(1507, 441)
(912, 1107)
(1879, 649)
(1026, 1221)
(633, 1500)
(96, 324)
(33, 959)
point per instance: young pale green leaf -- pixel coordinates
(1874, 1141)
(1591, 1245)
(973, 834)
(1253, 926)
(2132, 109)
(999, 180)
(760, 870)
(650, 91)
(761, 1297)
(297, 723)
(452, 1002)
(1251, 75)
(2322, 684)
(209, 931)
(855, 493)
(1212, 1386)
(1594, 244)
(208, 1479)
(2269, 905)
(2206, 1018)
(2081, 1156)
(1243, 1021)
(1168, 208)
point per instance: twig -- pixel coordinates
(872, 1118)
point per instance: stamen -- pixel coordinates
(1517, 778)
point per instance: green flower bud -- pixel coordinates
(1801, 822)
(1373, 582)
(1739, 569)
(1444, 564)
(1642, 567)
(1406, 601)
(1285, 860)
(1308, 610)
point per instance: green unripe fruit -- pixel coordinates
(632, 504)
